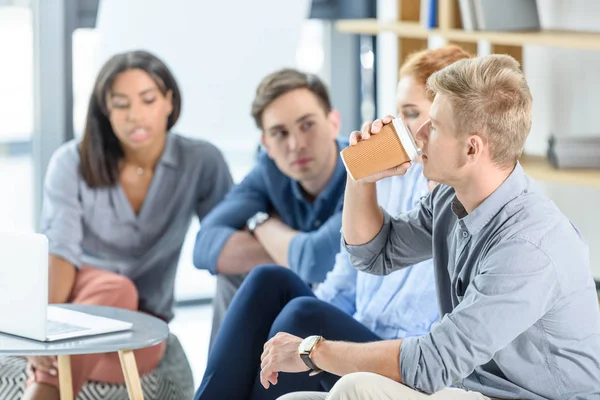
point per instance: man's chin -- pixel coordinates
(429, 175)
(304, 175)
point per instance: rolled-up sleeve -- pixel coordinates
(62, 213)
(402, 241)
(229, 216)
(515, 287)
(312, 254)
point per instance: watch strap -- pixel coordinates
(305, 356)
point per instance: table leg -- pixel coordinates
(132, 377)
(65, 383)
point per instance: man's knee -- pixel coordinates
(300, 316)
(271, 274)
(367, 385)
(352, 386)
(264, 278)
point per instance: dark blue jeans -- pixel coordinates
(272, 299)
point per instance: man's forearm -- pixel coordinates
(362, 218)
(342, 358)
(242, 253)
(275, 236)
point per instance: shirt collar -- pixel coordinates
(511, 188)
(338, 173)
(170, 155)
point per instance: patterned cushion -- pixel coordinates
(171, 380)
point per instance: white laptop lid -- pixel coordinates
(23, 284)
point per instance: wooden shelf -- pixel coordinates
(413, 35)
(539, 169)
(565, 39)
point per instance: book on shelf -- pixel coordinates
(574, 152)
(467, 15)
(428, 13)
(499, 15)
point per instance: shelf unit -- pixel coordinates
(412, 36)
(565, 39)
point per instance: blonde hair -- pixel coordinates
(422, 64)
(489, 96)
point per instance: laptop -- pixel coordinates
(24, 309)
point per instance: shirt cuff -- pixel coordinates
(409, 363)
(370, 249)
(209, 244)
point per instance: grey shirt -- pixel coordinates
(519, 305)
(98, 227)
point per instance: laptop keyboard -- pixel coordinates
(58, 328)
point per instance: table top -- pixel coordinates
(146, 331)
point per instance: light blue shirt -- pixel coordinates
(520, 307)
(401, 304)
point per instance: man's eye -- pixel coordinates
(307, 125)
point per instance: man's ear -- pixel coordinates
(335, 120)
(475, 147)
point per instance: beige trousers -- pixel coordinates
(368, 386)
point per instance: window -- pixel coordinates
(16, 123)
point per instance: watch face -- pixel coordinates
(308, 344)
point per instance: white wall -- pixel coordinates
(218, 51)
(565, 86)
(564, 82)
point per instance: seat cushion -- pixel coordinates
(171, 380)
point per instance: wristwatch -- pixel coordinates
(305, 349)
(257, 220)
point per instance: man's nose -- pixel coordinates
(423, 132)
(297, 141)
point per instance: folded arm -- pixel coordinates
(275, 238)
(222, 244)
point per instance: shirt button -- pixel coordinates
(465, 234)
(317, 223)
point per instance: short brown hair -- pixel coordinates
(284, 81)
(422, 64)
(489, 96)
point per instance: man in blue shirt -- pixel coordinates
(287, 211)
